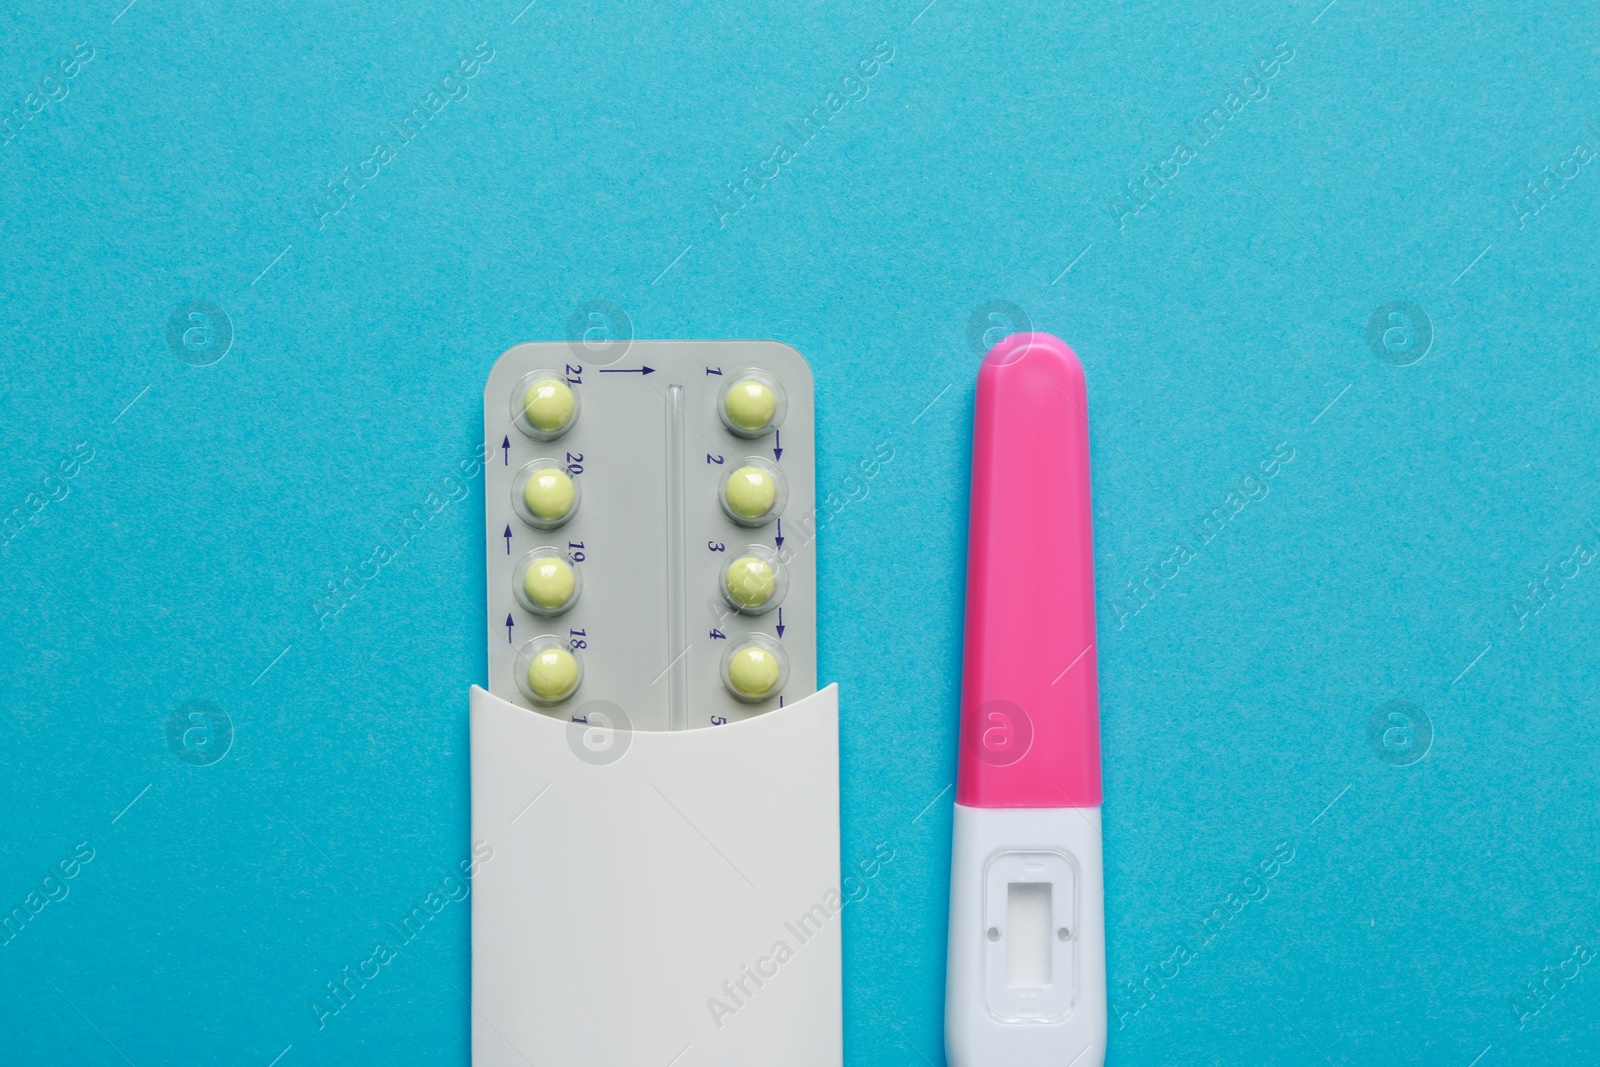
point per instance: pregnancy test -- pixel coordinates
(1026, 977)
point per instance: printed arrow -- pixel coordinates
(778, 538)
(510, 622)
(506, 444)
(777, 446)
(780, 624)
(628, 370)
(508, 539)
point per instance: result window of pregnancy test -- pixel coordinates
(1029, 934)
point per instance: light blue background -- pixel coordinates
(182, 562)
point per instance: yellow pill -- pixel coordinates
(750, 405)
(750, 581)
(549, 493)
(549, 582)
(751, 492)
(553, 674)
(548, 404)
(753, 671)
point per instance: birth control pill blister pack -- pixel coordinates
(638, 563)
(654, 768)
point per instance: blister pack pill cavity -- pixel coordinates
(648, 531)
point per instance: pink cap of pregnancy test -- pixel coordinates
(1030, 697)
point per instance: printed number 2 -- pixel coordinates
(713, 459)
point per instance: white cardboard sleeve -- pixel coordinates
(656, 898)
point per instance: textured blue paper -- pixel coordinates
(1424, 554)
